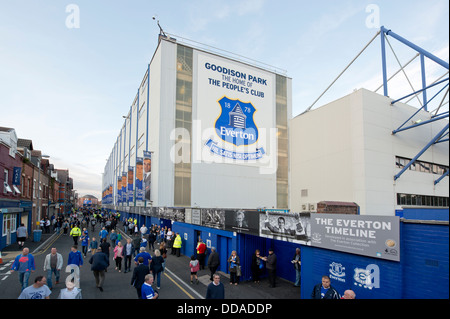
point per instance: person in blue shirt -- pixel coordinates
(142, 253)
(103, 233)
(147, 291)
(84, 242)
(75, 257)
(24, 265)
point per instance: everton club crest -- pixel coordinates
(235, 125)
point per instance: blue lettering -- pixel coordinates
(220, 69)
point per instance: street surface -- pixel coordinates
(117, 284)
(175, 280)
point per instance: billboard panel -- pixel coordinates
(235, 112)
(373, 236)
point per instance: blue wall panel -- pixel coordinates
(348, 272)
(426, 261)
(423, 213)
(224, 241)
(423, 270)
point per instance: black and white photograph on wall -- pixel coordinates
(213, 217)
(160, 212)
(242, 221)
(174, 213)
(146, 211)
(291, 227)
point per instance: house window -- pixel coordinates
(6, 188)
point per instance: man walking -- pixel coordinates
(24, 265)
(99, 262)
(139, 273)
(53, 264)
(75, 233)
(38, 290)
(216, 289)
(22, 235)
(147, 291)
(213, 262)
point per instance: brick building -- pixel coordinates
(30, 187)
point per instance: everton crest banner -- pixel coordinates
(236, 113)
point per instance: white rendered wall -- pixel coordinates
(344, 151)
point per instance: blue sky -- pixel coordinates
(67, 88)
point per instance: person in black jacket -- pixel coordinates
(324, 290)
(156, 267)
(213, 262)
(139, 273)
(256, 266)
(271, 266)
(99, 262)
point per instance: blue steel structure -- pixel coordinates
(440, 137)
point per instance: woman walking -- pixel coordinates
(118, 255)
(156, 267)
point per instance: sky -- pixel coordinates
(69, 70)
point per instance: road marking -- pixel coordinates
(193, 291)
(182, 289)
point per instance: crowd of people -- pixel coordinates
(147, 268)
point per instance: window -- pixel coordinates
(282, 141)
(6, 188)
(183, 111)
(421, 200)
(9, 223)
(421, 166)
(29, 188)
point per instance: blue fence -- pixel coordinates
(422, 273)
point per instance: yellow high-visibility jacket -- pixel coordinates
(177, 242)
(76, 231)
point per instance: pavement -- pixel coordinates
(177, 269)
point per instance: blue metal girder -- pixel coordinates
(440, 178)
(418, 91)
(416, 48)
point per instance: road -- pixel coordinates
(116, 285)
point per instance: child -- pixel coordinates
(195, 266)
